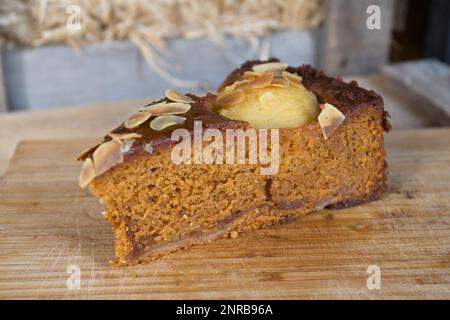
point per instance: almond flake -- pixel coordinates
(162, 122)
(177, 96)
(87, 173)
(152, 106)
(293, 79)
(230, 99)
(106, 156)
(169, 108)
(277, 74)
(252, 74)
(270, 66)
(279, 83)
(330, 118)
(124, 136)
(262, 81)
(148, 148)
(136, 120)
(126, 145)
(235, 85)
(86, 151)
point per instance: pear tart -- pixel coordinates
(329, 142)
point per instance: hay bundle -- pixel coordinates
(147, 23)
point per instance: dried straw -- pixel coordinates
(148, 23)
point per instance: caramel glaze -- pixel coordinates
(348, 98)
(200, 110)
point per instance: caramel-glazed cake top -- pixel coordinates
(200, 108)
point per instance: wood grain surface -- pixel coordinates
(48, 224)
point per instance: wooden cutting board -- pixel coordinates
(47, 225)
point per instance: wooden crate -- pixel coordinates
(53, 76)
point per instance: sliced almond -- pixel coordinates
(87, 173)
(293, 79)
(87, 151)
(162, 122)
(126, 146)
(106, 156)
(177, 96)
(148, 148)
(280, 83)
(252, 74)
(270, 66)
(230, 99)
(226, 89)
(235, 85)
(152, 106)
(261, 82)
(124, 136)
(169, 108)
(136, 120)
(330, 118)
(277, 74)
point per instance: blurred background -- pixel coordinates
(60, 53)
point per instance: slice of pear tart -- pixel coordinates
(273, 144)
